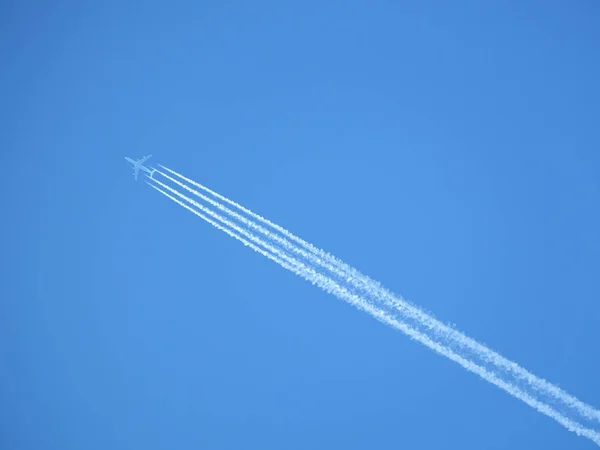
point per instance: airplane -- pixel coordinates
(137, 165)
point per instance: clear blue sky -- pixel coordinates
(451, 152)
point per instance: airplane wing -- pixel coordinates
(139, 164)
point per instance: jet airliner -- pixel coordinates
(139, 164)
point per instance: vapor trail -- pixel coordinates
(332, 287)
(271, 236)
(379, 293)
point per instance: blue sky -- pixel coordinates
(449, 151)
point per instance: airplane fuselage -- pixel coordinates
(137, 165)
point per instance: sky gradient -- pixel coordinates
(450, 152)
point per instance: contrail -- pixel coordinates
(378, 292)
(271, 236)
(332, 287)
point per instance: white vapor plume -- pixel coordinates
(331, 286)
(377, 292)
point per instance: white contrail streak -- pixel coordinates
(271, 236)
(378, 292)
(332, 287)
